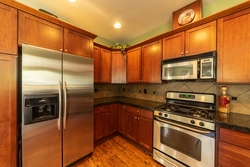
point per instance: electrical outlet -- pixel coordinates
(234, 98)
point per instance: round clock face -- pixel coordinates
(187, 16)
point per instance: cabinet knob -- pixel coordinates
(61, 50)
(138, 118)
(124, 106)
(101, 109)
(65, 50)
(182, 53)
(107, 113)
(137, 111)
(135, 117)
(186, 52)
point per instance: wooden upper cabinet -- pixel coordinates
(39, 32)
(151, 62)
(8, 30)
(233, 48)
(76, 43)
(8, 108)
(173, 46)
(102, 65)
(96, 55)
(118, 67)
(200, 39)
(134, 65)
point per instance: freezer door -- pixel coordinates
(41, 73)
(78, 107)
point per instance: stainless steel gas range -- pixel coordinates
(184, 130)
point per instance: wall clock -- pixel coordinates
(187, 16)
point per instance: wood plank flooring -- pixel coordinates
(118, 152)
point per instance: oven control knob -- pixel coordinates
(165, 115)
(192, 121)
(202, 124)
(160, 113)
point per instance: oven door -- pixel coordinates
(181, 144)
(180, 70)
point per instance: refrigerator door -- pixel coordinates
(41, 73)
(78, 107)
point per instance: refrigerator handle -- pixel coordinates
(65, 105)
(60, 105)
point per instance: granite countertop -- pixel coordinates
(233, 121)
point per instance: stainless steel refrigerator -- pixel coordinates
(56, 96)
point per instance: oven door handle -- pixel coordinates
(168, 161)
(184, 127)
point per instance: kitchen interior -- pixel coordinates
(178, 92)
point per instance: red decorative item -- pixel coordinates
(224, 101)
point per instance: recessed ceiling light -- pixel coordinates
(117, 25)
(72, 0)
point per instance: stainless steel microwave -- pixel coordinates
(202, 66)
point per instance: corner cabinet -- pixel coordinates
(233, 48)
(140, 127)
(231, 152)
(144, 63)
(118, 67)
(8, 30)
(102, 65)
(196, 40)
(39, 32)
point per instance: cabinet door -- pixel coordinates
(39, 32)
(76, 43)
(230, 155)
(233, 48)
(8, 114)
(101, 122)
(134, 65)
(118, 67)
(131, 126)
(113, 118)
(151, 62)
(145, 133)
(105, 66)
(173, 46)
(96, 55)
(200, 39)
(122, 119)
(8, 30)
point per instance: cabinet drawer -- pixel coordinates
(236, 138)
(101, 109)
(230, 155)
(140, 111)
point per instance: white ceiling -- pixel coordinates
(137, 17)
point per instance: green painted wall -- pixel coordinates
(208, 10)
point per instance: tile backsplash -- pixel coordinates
(156, 92)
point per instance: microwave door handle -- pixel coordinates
(60, 105)
(65, 105)
(185, 127)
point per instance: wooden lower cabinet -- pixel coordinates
(134, 123)
(105, 121)
(113, 118)
(8, 110)
(101, 122)
(233, 148)
(121, 119)
(139, 127)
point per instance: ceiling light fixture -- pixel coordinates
(72, 0)
(117, 25)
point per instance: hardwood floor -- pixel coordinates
(118, 152)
